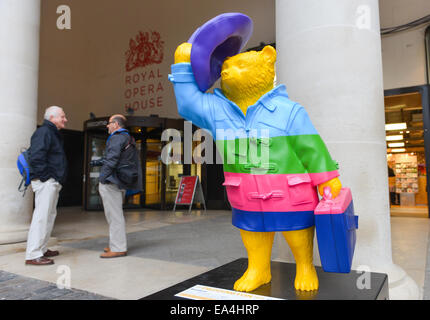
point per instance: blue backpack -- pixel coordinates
(24, 169)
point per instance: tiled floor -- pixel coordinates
(409, 240)
(164, 248)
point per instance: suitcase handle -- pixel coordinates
(327, 196)
(327, 193)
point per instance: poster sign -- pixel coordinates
(189, 190)
(186, 190)
(200, 292)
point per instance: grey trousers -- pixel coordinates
(45, 210)
(112, 198)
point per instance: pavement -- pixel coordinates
(165, 248)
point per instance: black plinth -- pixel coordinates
(332, 286)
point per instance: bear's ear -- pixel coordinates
(269, 54)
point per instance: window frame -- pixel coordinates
(427, 49)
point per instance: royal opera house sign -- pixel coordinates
(143, 86)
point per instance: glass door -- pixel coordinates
(96, 147)
(153, 173)
(174, 172)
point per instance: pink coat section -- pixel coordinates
(274, 192)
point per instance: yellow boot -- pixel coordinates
(301, 244)
(259, 248)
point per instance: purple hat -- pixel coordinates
(221, 37)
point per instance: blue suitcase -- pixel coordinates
(335, 225)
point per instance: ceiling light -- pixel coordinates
(395, 126)
(394, 138)
(396, 144)
(398, 150)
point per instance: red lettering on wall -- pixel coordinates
(143, 85)
(160, 87)
(151, 88)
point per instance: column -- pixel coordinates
(329, 57)
(19, 62)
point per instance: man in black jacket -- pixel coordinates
(121, 170)
(48, 172)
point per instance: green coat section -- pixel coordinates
(276, 155)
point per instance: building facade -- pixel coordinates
(103, 57)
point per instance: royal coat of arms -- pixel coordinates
(145, 49)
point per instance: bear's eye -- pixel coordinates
(242, 64)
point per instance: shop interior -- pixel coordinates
(406, 154)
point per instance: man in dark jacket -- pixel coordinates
(121, 170)
(48, 172)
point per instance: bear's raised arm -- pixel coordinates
(193, 105)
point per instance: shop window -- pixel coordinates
(406, 154)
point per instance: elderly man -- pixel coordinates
(120, 171)
(48, 172)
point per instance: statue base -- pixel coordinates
(355, 285)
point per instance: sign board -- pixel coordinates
(200, 292)
(189, 190)
(186, 190)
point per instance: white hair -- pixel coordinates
(52, 111)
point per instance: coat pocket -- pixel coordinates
(299, 189)
(234, 191)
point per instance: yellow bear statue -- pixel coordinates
(282, 199)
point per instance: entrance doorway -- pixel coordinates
(160, 181)
(147, 134)
(408, 150)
